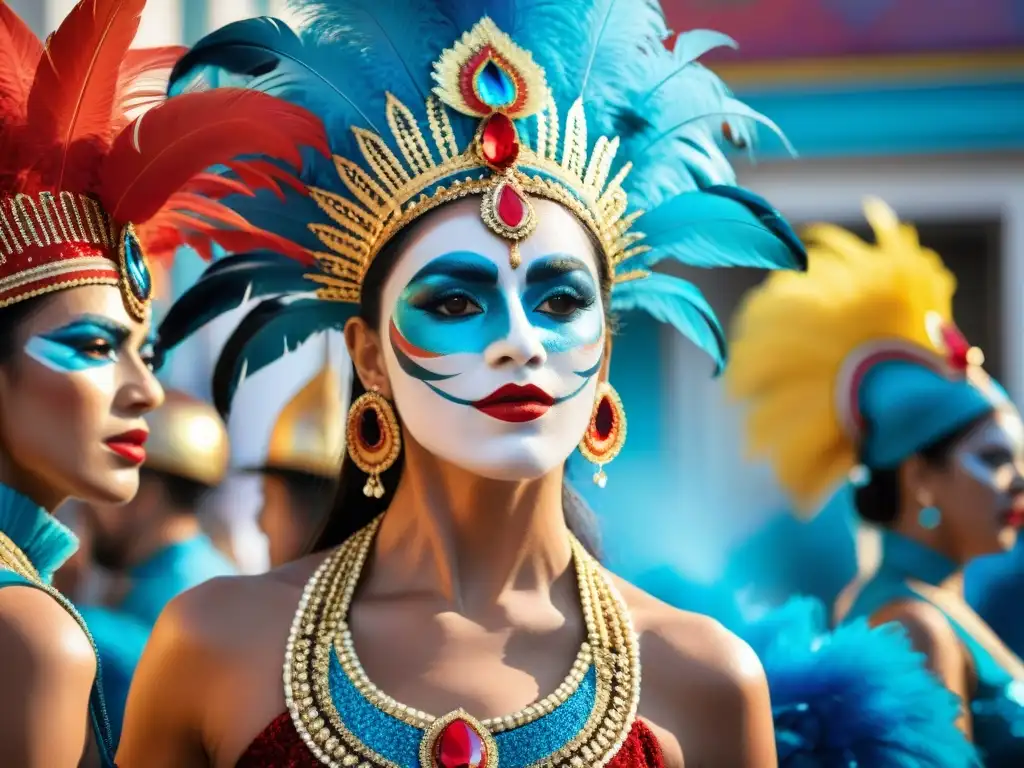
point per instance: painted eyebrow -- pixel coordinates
(553, 267)
(112, 326)
(462, 265)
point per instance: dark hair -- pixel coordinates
(310, 495)
(183, 494)
(879, 500)
(11, 318)
(352, 509)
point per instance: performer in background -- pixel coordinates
(154, 545)
(858, 369)
(288, 430)
(476, 233)
(86, 195)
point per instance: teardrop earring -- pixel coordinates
(373, 437)
(929, 516)
(606, 433)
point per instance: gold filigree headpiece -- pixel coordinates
(483, 75)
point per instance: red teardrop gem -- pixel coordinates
(511, 208)
(499, 143)
(460, 746)
(604, 419)
(957, 346)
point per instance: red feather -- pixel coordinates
(20, 50)
(261, 173)
(159, 152)
(74, 94)
(142, 81)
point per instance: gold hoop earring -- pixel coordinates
(606, 433)
(373, 438)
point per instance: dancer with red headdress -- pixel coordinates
(97, 176)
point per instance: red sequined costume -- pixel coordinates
(279, 746)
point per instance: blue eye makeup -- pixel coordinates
(456, 304)
(89, 342)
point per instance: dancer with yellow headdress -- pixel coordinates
(857, 373)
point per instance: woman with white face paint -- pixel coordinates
(86, 195)
(473, 235)
(857, 368)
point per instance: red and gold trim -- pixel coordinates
(51, 241)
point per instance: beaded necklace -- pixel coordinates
(369, 729)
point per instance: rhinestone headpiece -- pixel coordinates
(483, 75)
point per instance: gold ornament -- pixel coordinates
(376, 458)
(606, 432)
(320, 629)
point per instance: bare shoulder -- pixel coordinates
(48, 668)
(219, 612)
(689, 650)
(39, 637)
(702, 685)
(928, 629)
(215, 645)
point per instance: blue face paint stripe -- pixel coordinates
(414, 370)
(459, 401)
(590, 371)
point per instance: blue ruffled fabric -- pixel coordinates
(853, 697)
(46, 541)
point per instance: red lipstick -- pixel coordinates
(130, 445)
(516, 403)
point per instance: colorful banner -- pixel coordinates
(800, 29)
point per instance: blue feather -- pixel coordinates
(272, 329)
(717, 228)
(225, 285)
(274, 60)
(677, 302)
(855, 697)
(397, 40)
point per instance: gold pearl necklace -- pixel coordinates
(320, 630)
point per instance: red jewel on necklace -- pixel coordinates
(460, 746)
(499, 143)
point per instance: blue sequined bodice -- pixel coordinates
(997, 703)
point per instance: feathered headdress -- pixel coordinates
(856, 361)
(576, 101)
(96, 173)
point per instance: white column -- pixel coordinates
(221, 13)
(1013, 294)
(161, 25)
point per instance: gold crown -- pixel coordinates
(483, 75)
(309, 434)
(188, 439)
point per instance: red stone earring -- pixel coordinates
(373, 438)
(606, 433)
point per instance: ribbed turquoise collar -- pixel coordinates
(45, 541)
(906, 557)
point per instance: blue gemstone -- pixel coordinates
(138, 273)
(494, 86)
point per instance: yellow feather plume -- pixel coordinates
(793, 334)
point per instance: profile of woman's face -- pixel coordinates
(73, 397)
(495, 368)
(982, 491)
